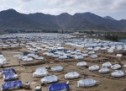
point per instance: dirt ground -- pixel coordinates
(105, 82)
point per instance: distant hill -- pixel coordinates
(13, 21)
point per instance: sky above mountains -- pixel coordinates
(114, 8)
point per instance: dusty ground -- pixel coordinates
(106, 83)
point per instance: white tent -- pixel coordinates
(116, 66)
(86, 83)
(85, 55)
(119, 55)
(57, 68)
(62, 56)
(38, 57)
(40, 72)
(72, 75)
(104, 48)
(96, 49)
(49, 79)
(48, 54)
(93, 55)
(107, 64)
(90, 48)
(81, 64)
(119, 48)
(26, 58)
(78, 56)
(118, 73)
(91, 52)
(104, 70)
(94, 68)
(110, 50)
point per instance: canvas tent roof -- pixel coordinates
(104, 70)
(49, 79)
(94, 68)
(118, 73)
(40, 72)
(56, 68)
(86, 83)
(72, 75)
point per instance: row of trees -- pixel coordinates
(29, 31)
(111, 37)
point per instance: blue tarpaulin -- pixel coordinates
(9, 74)
(59, 87)
(12, 85)
(9, 70)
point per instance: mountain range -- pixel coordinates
(13, 21)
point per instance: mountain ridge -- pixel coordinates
(13, 21)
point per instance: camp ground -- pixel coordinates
(61, 62)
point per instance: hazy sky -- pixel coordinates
(114, 8)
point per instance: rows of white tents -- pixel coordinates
(46, 78)
(50, 41)
(35, 37)
(26, 57)
(90, 46)
(96, 45)
(106, 68)
(63, 53)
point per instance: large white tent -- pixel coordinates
(72, 75)
(86, 83)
